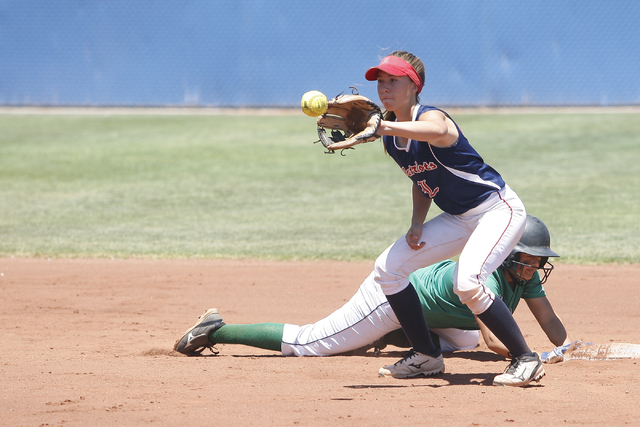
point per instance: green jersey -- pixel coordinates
(442, 307)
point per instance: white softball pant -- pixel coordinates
(365, 318)
(483, 237)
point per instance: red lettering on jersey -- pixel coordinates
(427, 190)
(416, 168)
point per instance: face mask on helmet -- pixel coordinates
(516, 268)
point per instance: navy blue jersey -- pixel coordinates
(455, 177)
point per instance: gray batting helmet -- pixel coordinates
(535, 241)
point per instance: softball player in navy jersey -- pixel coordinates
(482, 221)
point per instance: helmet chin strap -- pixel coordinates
(516, 278)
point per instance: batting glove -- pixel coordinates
(556, 355)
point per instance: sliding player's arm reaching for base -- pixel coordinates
(546, 317)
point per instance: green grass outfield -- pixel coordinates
(229, 186)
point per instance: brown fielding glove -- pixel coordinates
(352, 119)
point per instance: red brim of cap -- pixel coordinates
(372, 73)
(396, 67)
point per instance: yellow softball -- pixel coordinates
(314, 103)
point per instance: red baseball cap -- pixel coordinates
(396, 67)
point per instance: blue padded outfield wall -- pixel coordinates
(267, 53)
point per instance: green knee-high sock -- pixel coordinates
(261, 335)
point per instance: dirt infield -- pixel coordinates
(90, 342)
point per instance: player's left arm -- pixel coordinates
(432, 126)
(491, 340)
(548, 320)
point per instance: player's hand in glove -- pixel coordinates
(351, 120)
(556, 355)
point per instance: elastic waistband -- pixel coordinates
(494, 198)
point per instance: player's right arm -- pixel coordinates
(548, 320)
(421, 205)
(546, 317)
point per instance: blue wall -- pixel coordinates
(269, 52)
